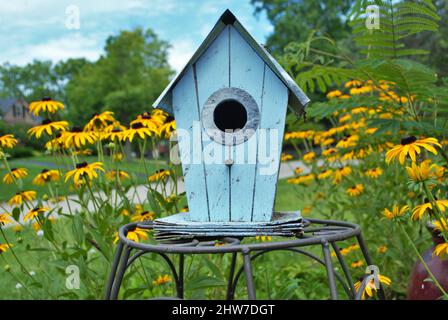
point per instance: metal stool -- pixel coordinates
(325, 233)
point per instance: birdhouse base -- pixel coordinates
(179, 227)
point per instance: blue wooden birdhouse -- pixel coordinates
(230, 103)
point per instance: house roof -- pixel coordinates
(6, 104)
(297, 98)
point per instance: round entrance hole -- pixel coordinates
(230, 115)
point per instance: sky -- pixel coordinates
(48, 29)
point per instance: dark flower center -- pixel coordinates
(35, 209)
(116, 130)
(13, 169)
(44, 171)
(144, 213)
(46, 121)
(169, 119)
(160, 171)
(81, 165)
(137, 125)
(76, 129)
(46, 99)
(408, 140)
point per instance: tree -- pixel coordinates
(125, 80)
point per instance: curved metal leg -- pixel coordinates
(249, 276)
(345, 269)
(180, 280)
(121, 270)
(330, 271)
(113, 270)
(230, 288)
(365, 252)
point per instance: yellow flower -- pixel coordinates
(374, 173)
(161, 174)
(348, 142)
(263, 238)
(144, 216)
(100, 121)
(370, 287)
(137, 129)
(137, 234)
(19, 197)
(16, 173)
(33, 213)
(77, 137)
(84, 170)
(152, 121)
(396, 212)
(441, 249)
(382, 249)
(17, 228)
(412, 146)
(421, 209)
(340, 173)
(117, 157)
(161, 280)
(325, 174)
(45, 105)
(4, 247)
(357, 264)
(356, 190)
(353, 83)
(298, 170)
(441, 225)
(308, 157)
(8, 141)
(48, 127)
(330, 154)
(359, 110)
(345, 118)
(332, 94)
(117, 174)
(286, 157)
(327, 142)
(168, 127)
(46, 176)
(305, 179)
(420, 173)
(5, 218)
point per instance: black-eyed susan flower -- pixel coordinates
(309, 157)
(370, 287)
(48, 127)
(441, 249)
(33, 213)
(46, 176)
(144, 216)
(441, 225)
(113, 175)
(420, 210)
(341, 173)
(77, 137)
(4, 247)
(286, 157)
(45, 105)
(353, 83)
(135, 235)
(161, 280)
(56, 143)
(395, 212)
(263, 238)
(153, 121)
(137, 129)
(98, 121)
(374, 172)
(159, 175)
(5, 218)
(334, 94)
(355, 190)
(15, 174)
(357, 264)
(325, 174)
(8, 141)
(84, 170)
(382, 249)
(115, 134)
(305, 179)
(22, 196)
(411, 146)
(168, 127)
(330, 154)
(298, 170)
(348, 142)
(421, 172)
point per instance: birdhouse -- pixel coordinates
(230, 103)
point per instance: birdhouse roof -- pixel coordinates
(297, 98)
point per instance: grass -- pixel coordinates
(36, 164)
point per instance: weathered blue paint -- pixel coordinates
(212, 73)
(275, 97)
(246, 72)
(186, 112)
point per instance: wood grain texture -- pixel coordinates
(273, 113)
(212, 73)
(186, 112)
(246, 72)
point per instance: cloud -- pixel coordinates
(181, 51)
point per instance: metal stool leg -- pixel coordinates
(180, 280)
(113, 270)
(230, 287)
(345, 269)
(330, 271)
(249, 277)
(121, 270)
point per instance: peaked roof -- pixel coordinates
(297, 99)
